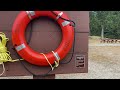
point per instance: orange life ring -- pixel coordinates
(33, 57)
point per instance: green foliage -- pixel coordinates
(110, 20)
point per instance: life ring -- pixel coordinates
(31, 56)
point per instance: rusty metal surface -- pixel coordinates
(46, 36)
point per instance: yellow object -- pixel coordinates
(4, 54)
(52, 67)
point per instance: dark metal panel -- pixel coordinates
(47, 41)
(80, 17)
(17, 69)
(46, 37)
(81, 42)
(80, 49)
(7, 19)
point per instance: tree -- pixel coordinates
(107, 20)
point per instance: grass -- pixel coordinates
(93, 40)
(94, 37)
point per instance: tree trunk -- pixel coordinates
(102, 32)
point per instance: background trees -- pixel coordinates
(109, 21)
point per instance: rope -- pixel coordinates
(4, 54)
(3, 69)
(47, 61)
(58, 61)
(52, 67)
